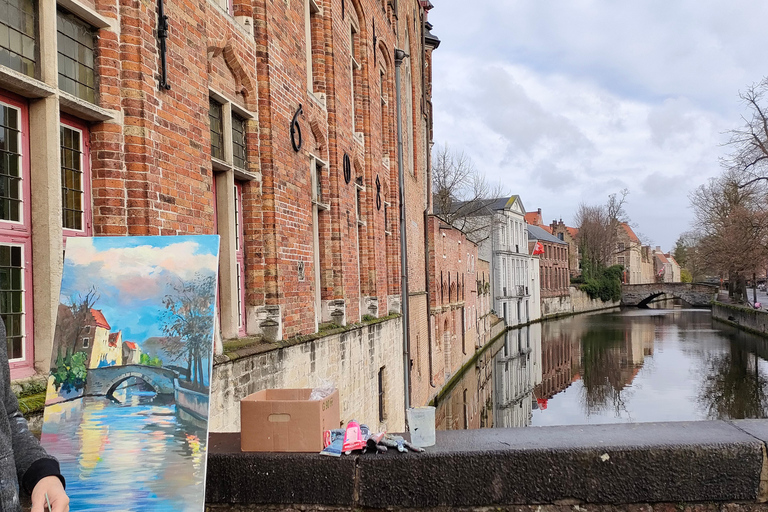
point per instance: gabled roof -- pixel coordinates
(131, 345)
(672, 259)
(662, 258)
(98, 317)
(534, 218)
(537, 233)
(572, 231)
(630, 233)
(485, 206)
(114, 337)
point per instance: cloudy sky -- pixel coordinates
(132, 275)
(566, 102)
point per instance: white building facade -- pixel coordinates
(515, 274)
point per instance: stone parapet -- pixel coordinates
(695, 294)
(685, 462)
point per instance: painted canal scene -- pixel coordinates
(626, 366)
(128, 392)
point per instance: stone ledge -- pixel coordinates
(712, 461)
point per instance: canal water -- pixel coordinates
(618, 367)
(152, 459)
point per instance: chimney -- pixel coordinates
(539, 211)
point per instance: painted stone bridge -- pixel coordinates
(104, 381)
(695, 294)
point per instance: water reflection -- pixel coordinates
(631, 366)
(152, 459)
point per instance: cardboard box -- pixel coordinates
(285, 420)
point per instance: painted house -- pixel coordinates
(102, 346)
(131, 353)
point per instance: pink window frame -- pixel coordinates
(240, 257)
(20, 234)
(86, 169)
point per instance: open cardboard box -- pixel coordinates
(285, 420)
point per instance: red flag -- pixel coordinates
(538, 249)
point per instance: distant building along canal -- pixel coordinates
(617, 367)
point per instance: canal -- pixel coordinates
(617, 367)
(153, 459)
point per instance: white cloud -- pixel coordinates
(139, 272)
(566, 102)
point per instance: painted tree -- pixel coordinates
(73, 316)
(188, 324)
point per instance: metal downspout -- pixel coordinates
(429, 293)
(399, 56)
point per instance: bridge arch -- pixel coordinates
(103, 381)
(695, 294)
(645, 302)
(112, 387)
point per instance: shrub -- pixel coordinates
(605, 285)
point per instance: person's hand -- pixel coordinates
(50, 485)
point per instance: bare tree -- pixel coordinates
(599, 227)
(689, 255)
(748, 161)
(731, 218)
(72, 319)
(461, 195)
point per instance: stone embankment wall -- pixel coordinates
(351, 359)
(753, 320)
(599, 467)
(566, 506)
(576, 301)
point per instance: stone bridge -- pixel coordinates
(104, 381)
(695, 294)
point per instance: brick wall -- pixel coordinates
(153, 174)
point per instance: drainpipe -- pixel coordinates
(429, 293)
(399, 56)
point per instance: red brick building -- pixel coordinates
(453, 299)
(272, 124)
(553, 263)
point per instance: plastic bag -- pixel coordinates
(323, 390)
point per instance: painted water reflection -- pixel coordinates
(630, 366)
(152, 460)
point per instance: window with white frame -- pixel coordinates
(239, 257)
(15, 231)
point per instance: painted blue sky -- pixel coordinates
(131, 275)
(565, 102)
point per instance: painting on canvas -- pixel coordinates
(127, 401)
